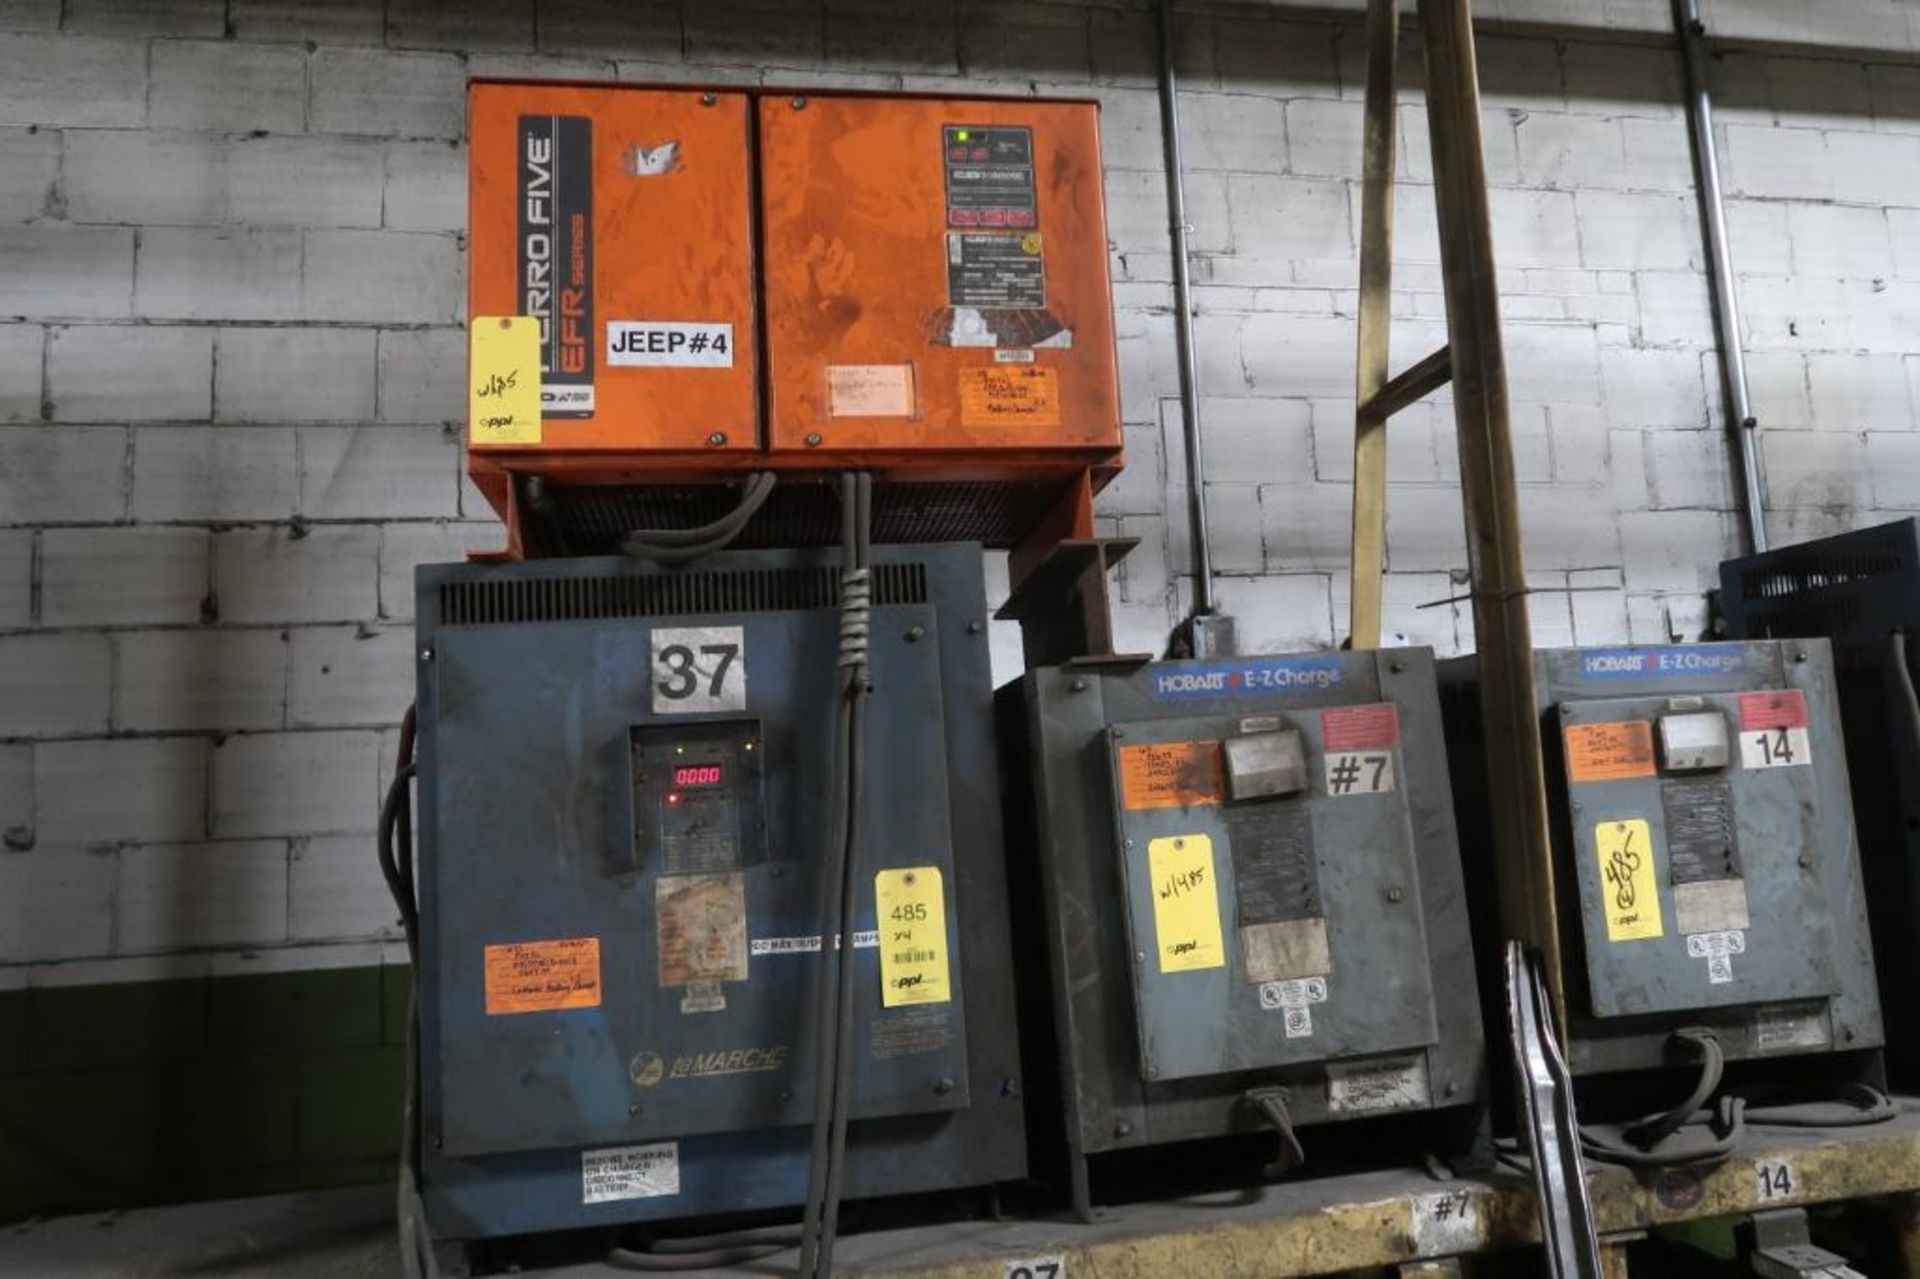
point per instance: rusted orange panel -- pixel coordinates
(622, 217)
(936, 276)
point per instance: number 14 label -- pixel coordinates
(1774, 748)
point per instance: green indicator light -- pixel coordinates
(961, 134)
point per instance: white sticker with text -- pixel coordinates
(1359, 772)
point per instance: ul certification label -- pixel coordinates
(1773, 730)
(555, 251)
(698, 669)
(1718, 949)
(1629, 889)
(996, 270)
(1186, 903)
(1010, 395)
(1294, 1000)
(912, 916)
(1609, 752)
(629, 1172)
(543, 976)
(989, 176)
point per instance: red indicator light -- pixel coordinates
(697, 775)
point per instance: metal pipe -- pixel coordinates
(1726, 298)
(1183, 315)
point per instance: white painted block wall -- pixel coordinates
(232, 278)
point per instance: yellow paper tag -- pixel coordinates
(912, 919)
(1629, 889)
(503, 371)
(1186, 903)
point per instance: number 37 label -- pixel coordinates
(698, 669)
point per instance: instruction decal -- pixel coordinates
(1629, 889)
(669, 344)
(503, 380)
(629, 1172)
(542, 976)
(555, 255)
(701, 922)
(1186, 903)
(1170, 774)
(912, 915)
(1010, 395)
(1609, 752)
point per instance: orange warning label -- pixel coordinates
(543, 976)
(1010, 395)
(1170, 774)
(1610, 752)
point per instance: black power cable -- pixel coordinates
(678, 545)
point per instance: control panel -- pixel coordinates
(698, 800)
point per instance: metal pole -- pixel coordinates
(1726, 298)
(1183, 315)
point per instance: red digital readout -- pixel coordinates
(696, 775)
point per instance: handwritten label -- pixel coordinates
(912, 916)
(870, 390)
(1010, 395)
(543, 976)
(1629, 889)
(1610, 752)
(503, 371)
(1170, 774)
(1186, 903)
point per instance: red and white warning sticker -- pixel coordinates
(1775, 708)
(1773, 729)
(1360, 728)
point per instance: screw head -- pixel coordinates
(1116, 731)
(708, 99)
(915, 634)
(1122, 1128)
(1396, 667)
(1395, 894)
(973, 628)
(1077, 686)
(1139, 956)
(1806, 861)
(1799, 657)
(943, 1085)
(798, 104)
(717, 438)
(634, 1109)
(426, 655)
(813, 439)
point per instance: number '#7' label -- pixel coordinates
(698, 669)
(1774, 748)
(1359, 772)
(1037, 1268)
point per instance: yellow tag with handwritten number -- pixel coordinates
(1629, 888)
(503, 380)
(1186, 903)
(912, 919)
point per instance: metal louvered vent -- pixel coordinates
(591, 520)
(505, 600)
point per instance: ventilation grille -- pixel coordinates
(505, 600)
(590, 520)
(1783, 576)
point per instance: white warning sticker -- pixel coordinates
(1397, 1084)
(629, 1172)
(669, 344)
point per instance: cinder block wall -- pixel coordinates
(232, 280)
